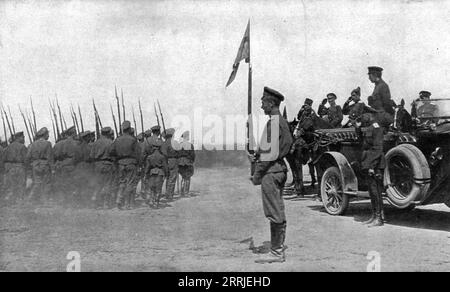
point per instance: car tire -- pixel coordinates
(334, 200)
(405, 165)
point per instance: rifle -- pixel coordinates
(26, 125)
(34, 114)
(7, 121)
(74, 121)
(162, 117)
(30, 123)
(4, 128)
(123, 105)
(114, 118)
(55, 117)
(96, 114)
(12, 121)
(60, 115)
(142, 118)
(81, 118)
(53, 126)
(156, 113)
(74, 118)
(118, 110)
(134, 120)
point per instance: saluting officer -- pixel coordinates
(14, 159)
(271, 172)
(127, 152)
(40, 157)
(354, 107)
(373, 164)
(334, 114)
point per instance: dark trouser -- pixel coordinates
(104, 171)
(15, 181)
(155, 185)
(68, 185)
(375, 187)
(186, 172)
(172, 178)
(297, 171)
(273, 205)
(41, 180)
(128, 180)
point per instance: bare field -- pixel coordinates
(208, 232)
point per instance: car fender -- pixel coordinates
(348, 177)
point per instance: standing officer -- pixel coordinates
(155, 170)
(104, 169)
(14, 159)
(380, 99)
(270, 172)
(125, 149)
(373, 163)
(40, 157)
(334, 114)
(169, 150)
(186, 163)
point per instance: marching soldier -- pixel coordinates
(14, 159)
(334, 114)
(58, 159)
(186, 163)
(125, 149)
(69, 156)
(380, 99)
(169, 149)
(270, 173)
(373, 164)
(104, 169)
(40, 157)
(155, 170)
(84, 169)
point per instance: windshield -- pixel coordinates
(433, 108)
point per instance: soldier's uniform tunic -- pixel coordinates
(156, 169)
(14, 159)
(373, 159)
(186, 165)
(40, 157)
(171, 154)
(335, 116)
(104, 171)
(127, 152)
(382, 102)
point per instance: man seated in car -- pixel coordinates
(426, 108)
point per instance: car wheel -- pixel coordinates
(405, 165)
(333, 198)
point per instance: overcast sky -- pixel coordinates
(182, 52)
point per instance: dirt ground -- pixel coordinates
(212, 230)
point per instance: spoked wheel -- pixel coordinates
(333, 198)
(401, 176)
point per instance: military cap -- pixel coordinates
(106, 130)
(147, 133)
(169, 132)
(126, 125)
(132, 130)
(18, 135)
(71, 131)
(424, 93)
(331, 95)
(308, 101)
(42, 132)
(273, 95)
(375, 69)
(156, 128)
(357, 91)
(85, 134)
(402, 102)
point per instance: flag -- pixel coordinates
(243, 53)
